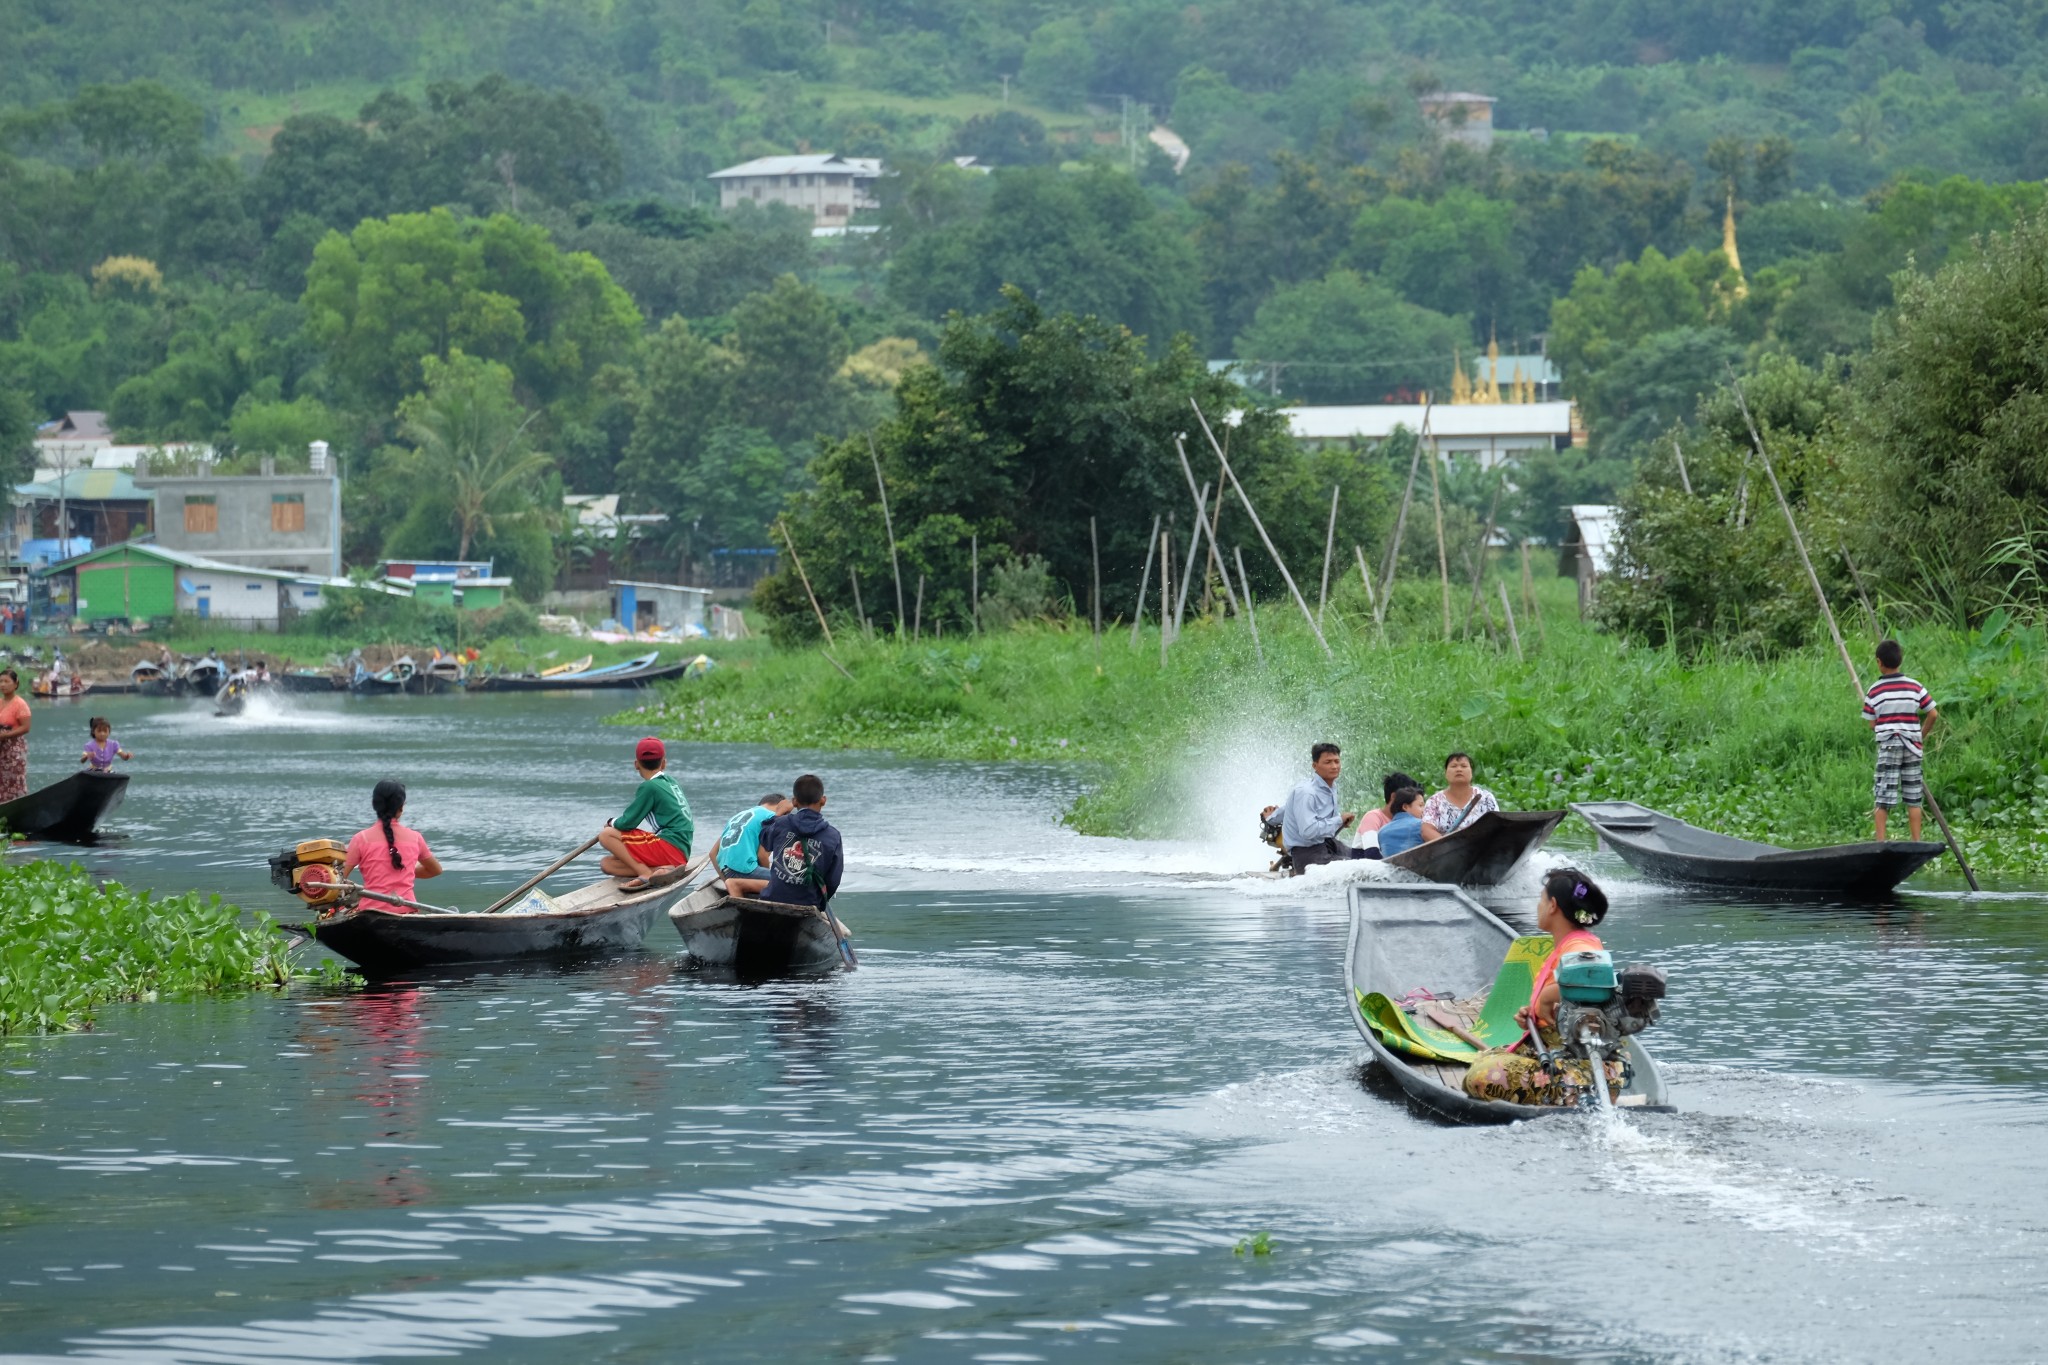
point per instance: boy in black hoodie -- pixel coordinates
(805, 857)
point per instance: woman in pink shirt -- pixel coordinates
(389, 854)
(14, 727)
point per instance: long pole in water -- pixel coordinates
(1828, 612)
(1251, 617)
(823, 624)
(1145, 580)
(888, 525)
(1260, 527)
(1329, 547)
(1187, 573)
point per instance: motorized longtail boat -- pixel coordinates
(1431, 977)
(384, 936)
(1481, 852)
(1669, 849)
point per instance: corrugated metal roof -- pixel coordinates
(1375, 422)
(801, 165)
(84, 485)
(1598, 526)
(183, 561)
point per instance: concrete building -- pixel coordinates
(830, 188)
(1587, 552)
(1492, 431)
(137, 581)
(289, 522)
(1460, 116)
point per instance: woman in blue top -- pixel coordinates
(1406, 828)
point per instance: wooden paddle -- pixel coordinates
(502, 902)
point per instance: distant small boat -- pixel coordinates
(439, 675)
(564, 670)
(203, 676)
(757, 938)
(1482, 852)
(311, 680)
(151, 680)
(67, 811)
(1667, 848)
(74, 686)
(393, 679)
(635, 673)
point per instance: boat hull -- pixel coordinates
(755, 938)
(384, 944)
(574, 683)
(68, 811)
(310, 682)
(1403, 937)
(1670, 850)
(1484, 852)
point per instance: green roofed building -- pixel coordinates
(141, 581)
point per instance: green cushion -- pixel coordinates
(1496, 1026)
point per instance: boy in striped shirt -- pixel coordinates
(1899, 709)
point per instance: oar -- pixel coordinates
(495, 906)
(354, 891)
(846, 953)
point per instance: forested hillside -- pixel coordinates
(256, 224)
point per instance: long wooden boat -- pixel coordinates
(75, 686)
(1481, 852)
(1667, 848)
(151, 680)
(528, 682)
(565, 670)
(1437, 938)
(311, 680)
(757, 938)
(67, 811)
(590, 921)
(202, 677)
(392, 680)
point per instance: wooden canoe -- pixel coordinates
(592, 681)
(1481, 852)
(573, 666)
(590, 921)
(757, 938)
(1438, 938)
(68, 811)
(1667, 848)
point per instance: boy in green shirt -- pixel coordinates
(643, 855)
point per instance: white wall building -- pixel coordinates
(829, 187)
(1492, 431)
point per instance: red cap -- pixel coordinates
(650, 750)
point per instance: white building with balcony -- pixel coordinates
(829, 187)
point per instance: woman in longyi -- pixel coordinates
(1568, 908)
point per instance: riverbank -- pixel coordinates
(71, 944)
(1774, 750)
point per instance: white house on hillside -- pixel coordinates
(829, 187)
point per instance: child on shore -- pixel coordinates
(101, 751)
(1899, 710)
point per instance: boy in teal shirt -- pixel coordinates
(739, 847)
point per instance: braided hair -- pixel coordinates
(388, 801)
(1575, 895)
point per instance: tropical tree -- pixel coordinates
(469, 434)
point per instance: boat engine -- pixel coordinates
(1598, 1005)
(311, 870)
(1269, 833)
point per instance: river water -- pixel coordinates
(1070, 1078)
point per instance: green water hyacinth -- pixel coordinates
(69, 943)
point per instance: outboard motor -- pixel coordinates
(311, 871)
(1269, 833)
(1598, 1006)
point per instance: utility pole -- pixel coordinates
(1006, 89)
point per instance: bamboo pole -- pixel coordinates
(859, 612)
(1165, 590)
(1529, 603)
(1329, 546)
(1216, 559)
(1513, 634)
(889, 526)
(1260, 527)
(1095, 596)
(1407, 496)
(1828, 612)
(1216, 563)
(974, 598)
(1443, 563)
(917, 620)
(823, 624)
(1869, 612)
(1684, 479)
(1500, 479)
(1187, 573)
(1144, 582)
(1251, 616)
(1365, 576)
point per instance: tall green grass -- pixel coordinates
(1768, 749)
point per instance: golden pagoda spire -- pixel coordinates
(1461, 387)
(1741, 289)
(1489, 391)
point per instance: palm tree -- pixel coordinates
(470, 434)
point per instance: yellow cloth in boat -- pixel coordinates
(1495, 1024)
